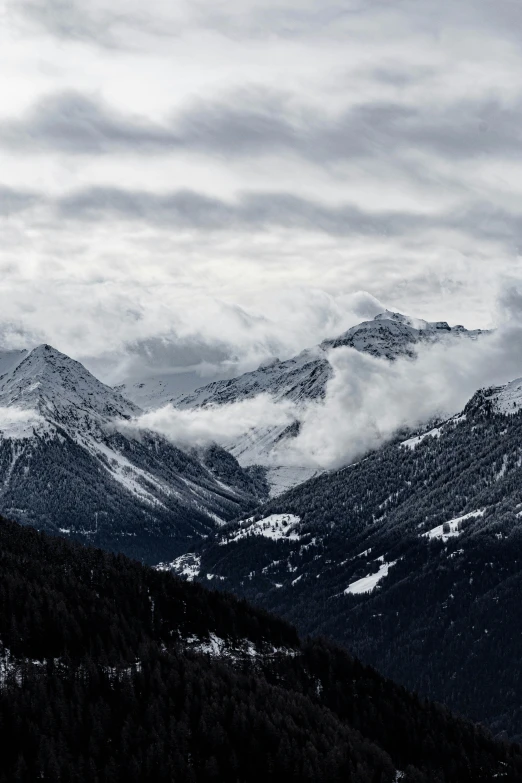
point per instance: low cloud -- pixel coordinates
(216, 424)
(367, 400)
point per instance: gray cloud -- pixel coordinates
(73, 20)
(70, 122)
(190, 209)
(106, 24)
(262, 123)
(13, 200)
(186, 209)
(178, 152)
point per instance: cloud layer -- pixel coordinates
(368, 400)
(163, 160)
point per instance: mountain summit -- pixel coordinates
(391, 335)
(67, 465)
(57, 386)
(304, 378)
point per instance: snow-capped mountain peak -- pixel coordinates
(390, 335)
(59, 438)
(55, 385)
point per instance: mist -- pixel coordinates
(367, 400)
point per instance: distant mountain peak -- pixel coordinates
(50, 382)
(391, 335)
(304, 378)
(60, 439)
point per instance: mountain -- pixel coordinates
(301, 380)
(66, 454)
(412, 557)
(111, 671)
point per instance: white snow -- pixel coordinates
(217, 647)
(412, 443)
(454, 524)
(20, 424)
(53, 384)
(125, 473)
(188, 565)
(275, 526)
(281, 478)
(368, 583)
(508, 399)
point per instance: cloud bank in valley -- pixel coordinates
(367, 400)
(221, 424)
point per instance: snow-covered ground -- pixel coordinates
(370, 582)
(217, 647)
(454, 526)
(275, 526)
(508, 399)
(188, 565)
(412, 443)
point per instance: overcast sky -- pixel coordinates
(231, 172)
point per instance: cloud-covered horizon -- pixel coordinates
(168, 165)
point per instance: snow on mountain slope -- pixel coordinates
(56, 386)
(505, 399)
(275, 526)
(66, 465)
(368, 583)
(391, 335)
(304, 378)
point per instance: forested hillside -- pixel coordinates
(111, 671)
(411, 557)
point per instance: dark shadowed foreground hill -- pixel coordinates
(111, 671)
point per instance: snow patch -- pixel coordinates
(188, 566)
(275, 526)
(412, 443)
(454, 526)
(370, 582)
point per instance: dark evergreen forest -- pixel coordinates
(99, 684)
(446, 619)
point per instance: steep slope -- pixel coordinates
(412, 557)
(63, 452)
(110, 671)
(304, 378)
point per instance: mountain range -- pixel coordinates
(300, 380)
(411, 556)
(69, 447)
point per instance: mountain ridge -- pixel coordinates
(132, 489)
(304, 378)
